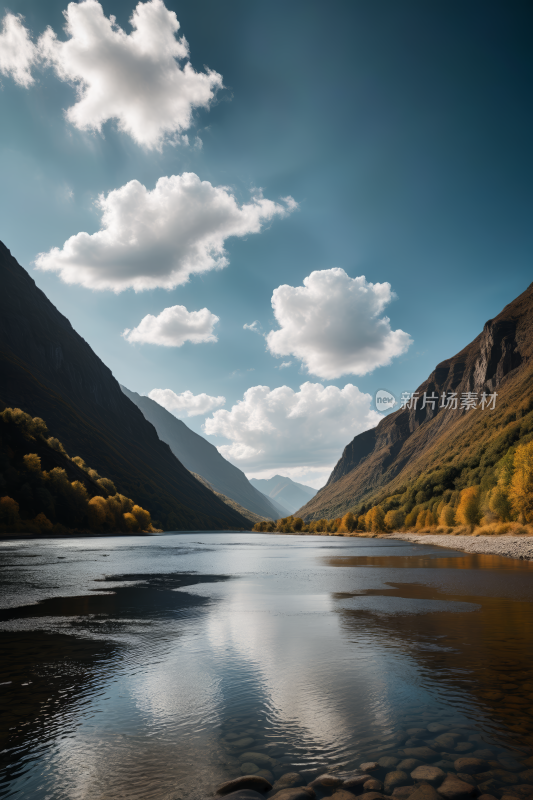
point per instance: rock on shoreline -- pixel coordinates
(520, 547)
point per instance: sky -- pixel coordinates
(260, 214)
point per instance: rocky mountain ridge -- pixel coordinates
(498, 360)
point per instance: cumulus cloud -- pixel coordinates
(333, 324)
(17, 51)
(135, 79)
(173, 327)
(285, 364)
(281, 428)
(158, 238)
(186, 404)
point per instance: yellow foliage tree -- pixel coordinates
(32, 462)
(142, 516)
(521, 486)
(43, 523)
(467, 512)
(447, 516)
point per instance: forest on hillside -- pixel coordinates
(492, 492)
(45, 491)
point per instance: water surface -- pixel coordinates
(152, 667)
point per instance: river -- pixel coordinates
(154, 667)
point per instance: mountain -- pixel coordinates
(288, 494)
(252, 518)
(48, 370)
(201, 457)
(439, 449)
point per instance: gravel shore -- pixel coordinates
(511, 546)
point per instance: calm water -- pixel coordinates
(149, 667)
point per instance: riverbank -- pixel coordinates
(511, 546)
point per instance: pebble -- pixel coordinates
(424, 792)
(526, 775)
(393, 779)
(369, 766)
(511, 546)
(372, 785)
(470, 765)
(453, 788)
(428, 773)
(288, 781)
(464, 747)
(403, 792)
(467, 778)
(409, 764)
(488, 755)
(418, 733)
(388, 761)
(246, 794)
(340, 794)
(265, 773)
(242, 744)
(436, 727)
(295, 793)
(327, 781)
(356, 780)
(423, 753)
(255, 782)
(377, 796)
(249, 768)
(258, 758)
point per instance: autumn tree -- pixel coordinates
(468, 509)
(521, 484)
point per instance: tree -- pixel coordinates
(142, 516)
(421, 519)
(32, 463)
(521, 485)
(378, 519)
(394, 519)
(9, 511)
(447, 516)
(348, 523)
(468, 509)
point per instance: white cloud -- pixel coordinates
(186, 404)
(17, 51)
(158, 238)
(173, 327)
(281, 428)
(253, 326)
(285, 364)
(333, 325)
(132, 78)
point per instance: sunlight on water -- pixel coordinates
(155, 667)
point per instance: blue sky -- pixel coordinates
(403, 133)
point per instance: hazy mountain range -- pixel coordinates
(288, 494)
(200, 456)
